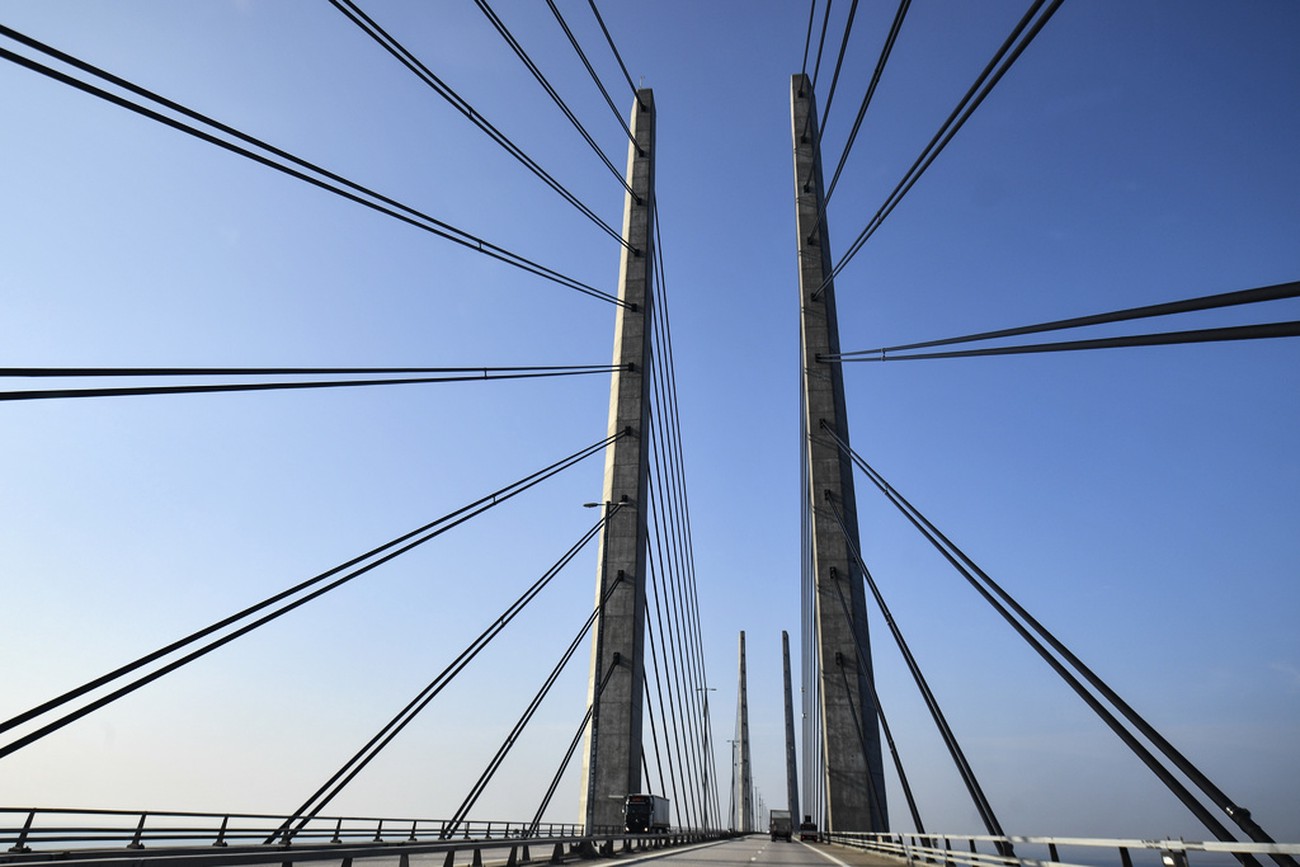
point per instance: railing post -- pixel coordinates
(221, 833)
(136, 842)
(20, 845)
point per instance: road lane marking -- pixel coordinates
(826, 855)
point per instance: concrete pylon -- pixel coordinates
(850, 729)
(791, 770)
(611, 765)
(745, 796)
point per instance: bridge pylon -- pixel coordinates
(745, 798)
(850, 732)
(791, 769)
(611, 765)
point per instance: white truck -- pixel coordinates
(645, 814)
(779, 825)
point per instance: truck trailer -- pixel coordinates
(779, 825)
(645, 814)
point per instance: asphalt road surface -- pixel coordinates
(758, 851)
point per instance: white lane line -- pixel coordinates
(826, 855)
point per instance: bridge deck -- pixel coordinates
(753, 851)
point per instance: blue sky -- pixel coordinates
(1142, 502)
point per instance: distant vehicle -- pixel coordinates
(779, 825)
(645, 814)
(808, 829)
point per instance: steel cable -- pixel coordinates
(680, 510)
(1261, 331)
(390, 44)
(807, 39)
(600, 85)
(551, 91)
(482, 374)
(612, 47)
(958, 755)
(997, 67)
(1257, 295)
(327, 180)
(568, 754)
(990, 591)
(876, 74)
(384, 553)
(495, 763)
(335, 784)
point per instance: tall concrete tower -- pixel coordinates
(611, 766)
(791, 769)
(850, 732)
(744, 798)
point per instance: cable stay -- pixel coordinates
(490, 771)
(568, 754)
(663, 715)
(1257, 295)
(1262, 331)
(390, 44)
(807, 39)
(444, 374)
(864, 664)
(835, 77)
(228, 138)
(821, 44)
(353, 766)
(582, 55)
(551, 91)
(654, 736)
(319, 585)
(673, 547)
(667, 554)
(665, 389)
(683, 707)
(1007, 54)
(612, 47)
(967, 773)
(885, 51)
(1004, 604)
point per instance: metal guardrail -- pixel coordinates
(961, 849)
(27, 827)
(196, 839)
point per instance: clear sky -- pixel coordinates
(1144, 503)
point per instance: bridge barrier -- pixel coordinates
(43, 827)
(194, 839)
(952, 850)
